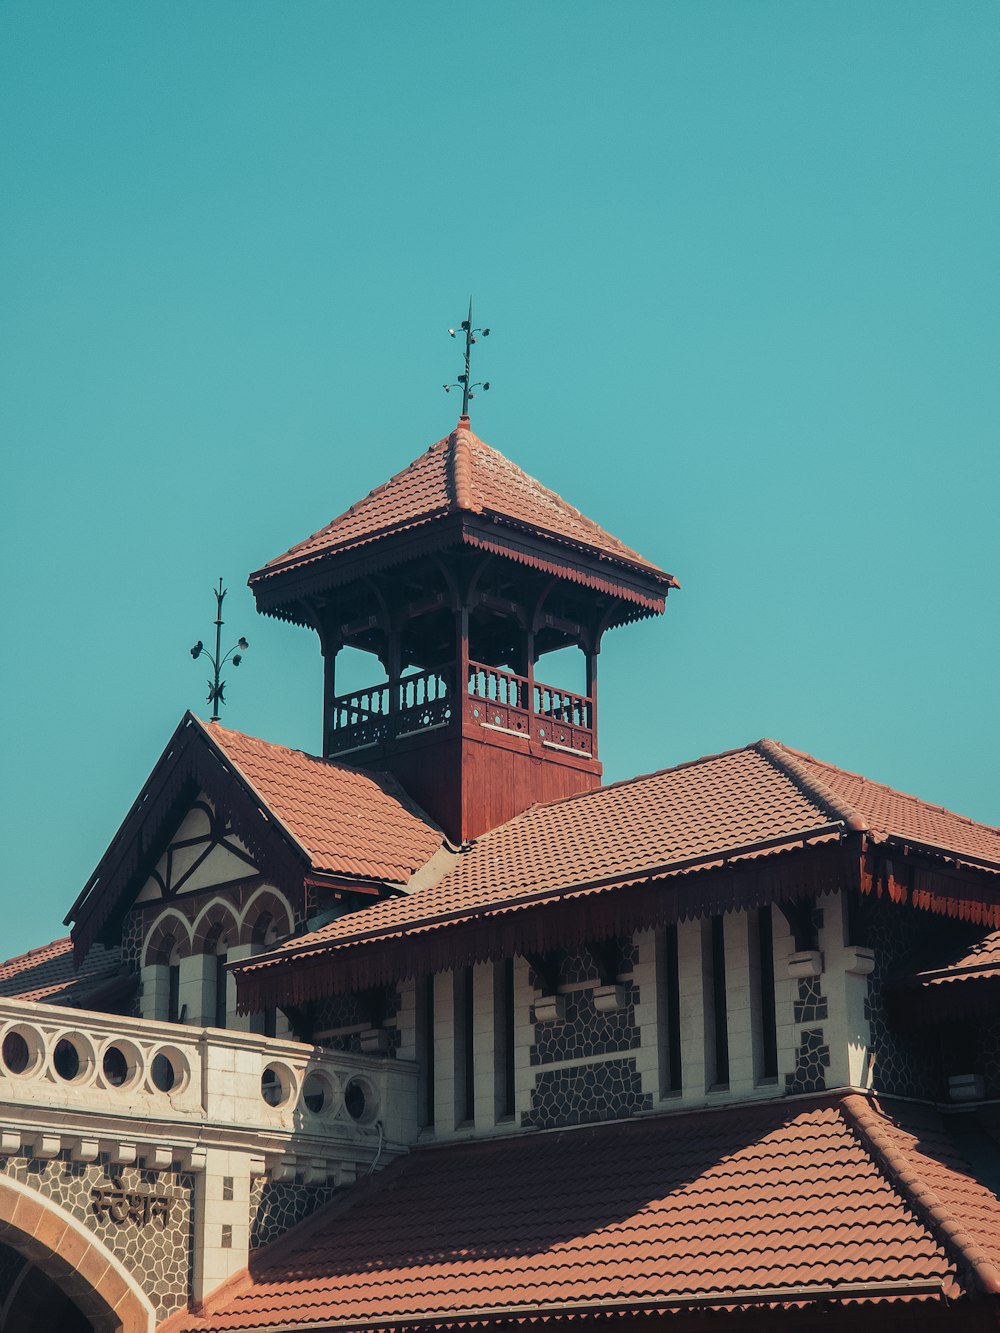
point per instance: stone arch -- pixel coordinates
(216, 928)
(168, 940)
(76, 1261)
(267, 917)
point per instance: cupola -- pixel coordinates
(459, 575)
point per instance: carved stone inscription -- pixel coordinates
(135, 1206)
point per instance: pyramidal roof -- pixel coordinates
(461, 475)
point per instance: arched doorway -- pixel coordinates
(55, 1274)
(29, 1300)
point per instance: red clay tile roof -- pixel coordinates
(766, 1205)
(736, 804)
(460, 474)
(742, 804)
(47, 973)
(890, 813)
(976, 962)
(349, 822)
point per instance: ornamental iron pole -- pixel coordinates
(464, 381)
(216, 686)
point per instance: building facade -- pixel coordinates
(434, 1030)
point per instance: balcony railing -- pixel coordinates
(160, 1083)
(494, 698)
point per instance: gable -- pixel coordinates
(204, 853)
(289, 816)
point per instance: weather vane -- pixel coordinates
(465, 381)
(216, 687)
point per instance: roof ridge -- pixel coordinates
(460, 470)
(866, 1124)
(885, 786)
(437, 446)
(558, 500)
(611, 787)
(39, 948)
(620, 782)
(785, 760)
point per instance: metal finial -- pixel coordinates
(216, 687)
(464, 382)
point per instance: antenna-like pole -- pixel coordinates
(464, 381)
(216, 687)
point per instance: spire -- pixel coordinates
(464, 381)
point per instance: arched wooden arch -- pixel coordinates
(269, 904)
(169, 938)
(216, 928)
(76, 1261)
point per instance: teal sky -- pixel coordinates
(740, 261)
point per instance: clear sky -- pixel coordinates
(740, 260)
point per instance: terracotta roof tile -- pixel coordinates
(662, 1213)
(348, 821)
(459, 474)
(48, 974)
(891, 813)
(975, 962)
(744, 803)
(724, 804)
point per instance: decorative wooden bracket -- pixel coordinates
(609, 957)
(801, 918)
(372, 1003)
(547, 968)
(300, 1020)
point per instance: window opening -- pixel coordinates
(425, 1049)
(174, 993)
(765, 1006)
(715, 1004)
(670, 1015)
(221, 982)
(503, 1013)
(465, 1065)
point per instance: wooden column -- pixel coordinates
(530, 673)
(330, 653)
(393, 671)
(461, 654)
(592, 695)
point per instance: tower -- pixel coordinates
(458, 575)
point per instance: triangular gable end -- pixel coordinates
(191, 766)
(203, 853)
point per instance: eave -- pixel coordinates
(280, 591)
(809, 864)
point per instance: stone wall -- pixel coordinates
(124, 1207)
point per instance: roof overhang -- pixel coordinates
(281, 590)
(809, 865)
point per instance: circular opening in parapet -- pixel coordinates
(21, 1050)
(359, 1101)
(318, 1092)
(276, 1085)
(67, 1059)
(120, 1065)
(168, 1070)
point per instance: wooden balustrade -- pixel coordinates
(574, 710)
(498, 686)
(498, 699)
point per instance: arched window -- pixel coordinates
(166, 944)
